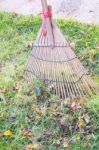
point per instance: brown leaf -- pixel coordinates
(1, 136)
(57, 143)
(88, 137)
(49, 134)
(66, 142)
(74, 106)
(63, 122)
(84, 101)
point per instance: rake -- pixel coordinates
(53, 61)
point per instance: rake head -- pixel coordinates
(53, 61)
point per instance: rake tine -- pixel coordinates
(54, 61)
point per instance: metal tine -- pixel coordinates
(77, 84)
(48, 66)
(42, 51)
(36, 65)
(58, 80)
(54, 69)
(77, 72)
(60, 84)
(72, 53)
(65, 78)
(90, 81)
(83, 79)
(64, 85)
(76, 67)
(72, 80)
(59, 52)
(54, 76)
(83, 86)
(58, 65)
(65, 51)
(72, 71)
(32, 68)
(89, 85)
(86, 93)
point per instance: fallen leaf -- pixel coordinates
(65, 145)
(88, 137)
(30, 134)
(86, 119)
(57, 143)
(87, 145)
(8, 133)
(78, 138)
(63, 122)
(42, 112)
(74, 106)
(30, 117)
(29, 147)
(66, 142)
(49, 134)
(81, 123)
(1, 136)
(38, 91)
(34, 107)
(16, 88)
(27, 130)
(84, 102)
(37, 117)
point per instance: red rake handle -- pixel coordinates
(47, 17)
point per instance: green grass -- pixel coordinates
(17, 34)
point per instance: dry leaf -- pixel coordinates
(63, 122)
(1, 136)
(30, 147)
(57, 143)
(34, 107)
(81, 123)
(86, 119)
(74, 105)
(66, 142)
(65, 145)
(88, 137)
(8, 133)
(83, 101)
(78, 138)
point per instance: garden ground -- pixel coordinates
(48, 123)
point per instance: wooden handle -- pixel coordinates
(48, 22)
(44, 5)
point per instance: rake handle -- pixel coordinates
(48, 22)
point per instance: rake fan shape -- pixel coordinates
(54, 61)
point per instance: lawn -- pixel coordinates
(27, 123)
